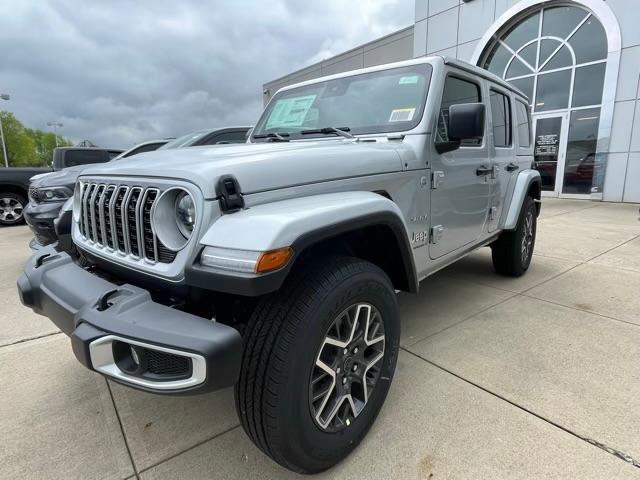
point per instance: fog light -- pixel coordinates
(134, 355)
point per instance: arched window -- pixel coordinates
(556, 55)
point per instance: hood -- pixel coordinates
(66, 177)
(263, 166)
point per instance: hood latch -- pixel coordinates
(228, 189)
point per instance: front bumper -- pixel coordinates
(101, 316)
(40, 217)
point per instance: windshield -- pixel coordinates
(184, 140)
(377, 102)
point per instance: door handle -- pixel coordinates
(483, 170)
(511, 167)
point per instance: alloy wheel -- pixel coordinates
(10, 210)
(347, 367)
(527, 238)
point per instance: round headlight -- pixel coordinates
(185, 214)
(173, 218)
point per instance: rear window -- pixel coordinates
(83, 157)
(524, 124)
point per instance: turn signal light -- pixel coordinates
(274, 259)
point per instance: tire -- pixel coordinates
(11, 208)
(513, 251)
(287, 335)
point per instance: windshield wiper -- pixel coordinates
(273, 136)
(342, 131)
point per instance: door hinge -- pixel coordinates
(437, 179)
(435, 234)
(492, 213)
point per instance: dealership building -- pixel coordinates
(578, 61)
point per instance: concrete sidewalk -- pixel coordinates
(536, 377)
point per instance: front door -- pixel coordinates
(461, 183)
(550, 149)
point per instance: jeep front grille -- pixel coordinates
(118, 219)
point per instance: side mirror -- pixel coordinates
(466, 122)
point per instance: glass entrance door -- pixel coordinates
(549, 151)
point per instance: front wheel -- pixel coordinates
(318, 362)
(513, 251)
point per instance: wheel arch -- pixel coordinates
(379, 238)
(12, 188)
(362, 224)
(528, 184)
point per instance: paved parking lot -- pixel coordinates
(498, 378)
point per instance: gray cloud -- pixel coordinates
(120, 72)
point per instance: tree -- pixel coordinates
(28, 147)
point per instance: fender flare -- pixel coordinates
(299, 223)
(525, 180)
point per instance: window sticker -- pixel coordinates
(410, 80)
(402, 115)
(290, 112)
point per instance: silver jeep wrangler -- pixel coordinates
(273, 266)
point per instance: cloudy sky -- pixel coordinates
(119, 72)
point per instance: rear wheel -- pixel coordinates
(11, 208)
(318, 362)
(513, 251)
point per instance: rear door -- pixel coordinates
(501, 149)
(461, 185)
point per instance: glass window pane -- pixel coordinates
(581, 151)
(588, 85)
(525, 85)
(497, 60)
(589, 42)
(500, 119)
(517, 69)
(561, 21)
(546, 150)
(456, 91)
(553, 91)
(529, 54)
(523, 32)
(561, 59)
(524, 126)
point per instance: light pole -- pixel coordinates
(55, 125)
(4, 96)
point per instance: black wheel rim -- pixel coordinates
(526, 246)
(10, 210)
(347, 367)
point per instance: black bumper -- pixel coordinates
(87, 308)
(41, 217)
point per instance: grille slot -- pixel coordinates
(34, 195)
(118, 218)
(166, 364)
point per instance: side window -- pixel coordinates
(456, 91)
(236, 136)
(501, 119)
(524, 124)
